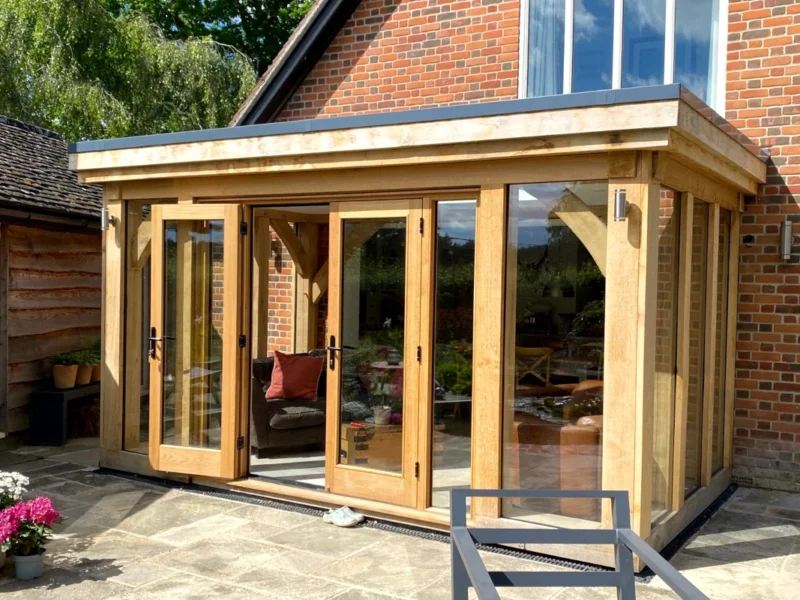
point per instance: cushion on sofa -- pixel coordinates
(295, 376)
(295, 414)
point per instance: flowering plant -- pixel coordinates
(12, 488)
(26, 527)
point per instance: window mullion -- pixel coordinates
(616, 73)
(669, 43)
(569, 25)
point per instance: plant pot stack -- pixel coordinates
(78, 368)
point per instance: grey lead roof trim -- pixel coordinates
(673, 91)
(444, 113)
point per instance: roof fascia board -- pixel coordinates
(428, 115)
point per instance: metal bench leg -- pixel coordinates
(458, 575)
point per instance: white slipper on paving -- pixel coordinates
(342, 517)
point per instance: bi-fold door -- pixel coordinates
(193, 346)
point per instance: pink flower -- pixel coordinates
(41, 511)
(9, 524)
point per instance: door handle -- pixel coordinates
(331, 349)
(151, 351)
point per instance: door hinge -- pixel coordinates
(416, 470)
(419, 353)
(421, 224)
(240, 442)
(242, 341)
(243, 227)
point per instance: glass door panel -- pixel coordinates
(193, 339)
(373, 364)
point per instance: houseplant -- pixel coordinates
(94, 350)
(25, 528)
(84, 358)
(65, 370)
(12, 487)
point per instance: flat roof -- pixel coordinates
(673, 91)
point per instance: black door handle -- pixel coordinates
(331, 349)
(151, 351)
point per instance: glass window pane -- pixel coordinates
(643, 43)
(555, 330)
(718, 432)
(696, 35)
(592, 45)
(193, 319)
(546, 48)
(373, 325)
(666, 350)
(452, 370)
(697, 319)
(137, 320)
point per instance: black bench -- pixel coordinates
(48, 410)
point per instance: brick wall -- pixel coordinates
(763, 100)
(280, 315)
(402, 54)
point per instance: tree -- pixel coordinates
(74, 67)
(256, 27)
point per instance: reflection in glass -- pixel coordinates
(373, 325)
(643, 43)
(696, 31)
(546, 48)
(137, 383)
(452, 393)
(192, 344)
(555, 329)
(718, 432)
(592, 45)
(666, 350)
(697, 315)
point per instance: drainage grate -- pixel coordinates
(428, 534)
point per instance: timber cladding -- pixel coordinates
(52, 293)
(402, 54)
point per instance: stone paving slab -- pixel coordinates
(125, 539)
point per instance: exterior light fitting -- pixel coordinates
(106, 219)
(621, 206)
(786, 239)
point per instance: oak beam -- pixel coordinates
(293, 245)
(319, 285)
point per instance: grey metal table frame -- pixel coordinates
(468, 569)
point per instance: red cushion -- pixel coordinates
(294, 376)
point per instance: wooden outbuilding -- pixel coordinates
(50, 263)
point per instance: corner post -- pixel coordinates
(112, 314)
(630, 344)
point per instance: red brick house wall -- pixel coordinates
(763, 100)
(403, 54)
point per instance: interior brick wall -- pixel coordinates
(403, 54)
(763, 100)
(280, 315)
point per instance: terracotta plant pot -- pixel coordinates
(84, 375)
(96, 371)
(29, 567)
(64, 376)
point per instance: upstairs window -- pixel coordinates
(587, 45)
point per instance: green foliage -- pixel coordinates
(63, 358)
(454, 368)
(72, 66)
(256, 27)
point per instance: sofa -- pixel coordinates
(285, 422)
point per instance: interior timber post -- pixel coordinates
(112, 343)
(630, 344)
(487, 377)
(305, 333)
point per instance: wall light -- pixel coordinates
(621, 206)
(786, 239)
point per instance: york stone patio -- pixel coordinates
(128, 539)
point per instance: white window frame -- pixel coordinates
(719, 72)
